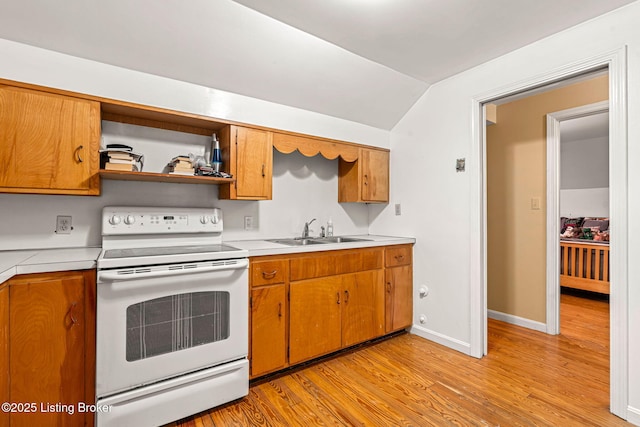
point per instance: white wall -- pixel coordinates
(584, 177)
(584, 163)
(437, 201)
(591, 202)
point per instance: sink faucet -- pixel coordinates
(305, 230)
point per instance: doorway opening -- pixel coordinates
(615, 62)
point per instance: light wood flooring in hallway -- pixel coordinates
(527, 379)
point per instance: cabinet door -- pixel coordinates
(399, 303)
(375, 175)
(254, 158)
(268, 329)
(315, 325)
(4, 351)
(48, 143)
(47, 347)
(363, 307)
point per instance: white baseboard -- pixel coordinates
(515, 320)
(439, 338)
(633, 415)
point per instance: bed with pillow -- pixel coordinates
(584, 254)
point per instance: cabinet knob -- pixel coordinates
(72, 316)
(77, 154)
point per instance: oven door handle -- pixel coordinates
(144, 273)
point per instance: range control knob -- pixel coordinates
(115, 220)
(130, 219)
(215, 219)
(204, 219)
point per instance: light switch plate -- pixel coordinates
(248, 222)
(398, 208)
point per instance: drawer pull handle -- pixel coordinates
(337, 297)
(270, 274)
(279, 309)
(389, 287)
(77, 154)
(399, 257)
(263, 170)
(346, 297)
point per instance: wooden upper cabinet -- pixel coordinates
(249, 155)
(48, 143)
(365, 180)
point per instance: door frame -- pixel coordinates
(616, 63)
(553, 204)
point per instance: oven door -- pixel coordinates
(160, 322)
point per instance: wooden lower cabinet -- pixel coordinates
(399, 302)
(363, 308)
(52, 347)
(316, 324)
(334, 312)
(307, 305)
(399, 287)
(268, 329)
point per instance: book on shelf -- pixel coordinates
(119, 155)
(125, 160)
(181, 159)
(182, 172)
(122, 161)
(182, 167)
(130, 167)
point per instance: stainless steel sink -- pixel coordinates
(297, 242)
(340, 239)
(316, 240)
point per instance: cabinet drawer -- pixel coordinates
(335, 262)
(268, 272)
(397, 255)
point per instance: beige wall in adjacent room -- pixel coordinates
(516, 174)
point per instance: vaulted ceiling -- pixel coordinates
(366, 61)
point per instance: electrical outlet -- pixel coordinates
(63, 224)
(248, 222)
(398, 209)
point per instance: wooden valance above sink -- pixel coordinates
(309, 146)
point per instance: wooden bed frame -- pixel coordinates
(584, 266)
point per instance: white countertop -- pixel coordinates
(46, 261)
(264, 247)
(67, 259)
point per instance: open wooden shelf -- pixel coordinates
(162, 177)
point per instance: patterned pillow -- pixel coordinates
(602, 223)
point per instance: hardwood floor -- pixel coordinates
(527, 379)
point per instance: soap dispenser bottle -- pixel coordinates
(330, 227)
